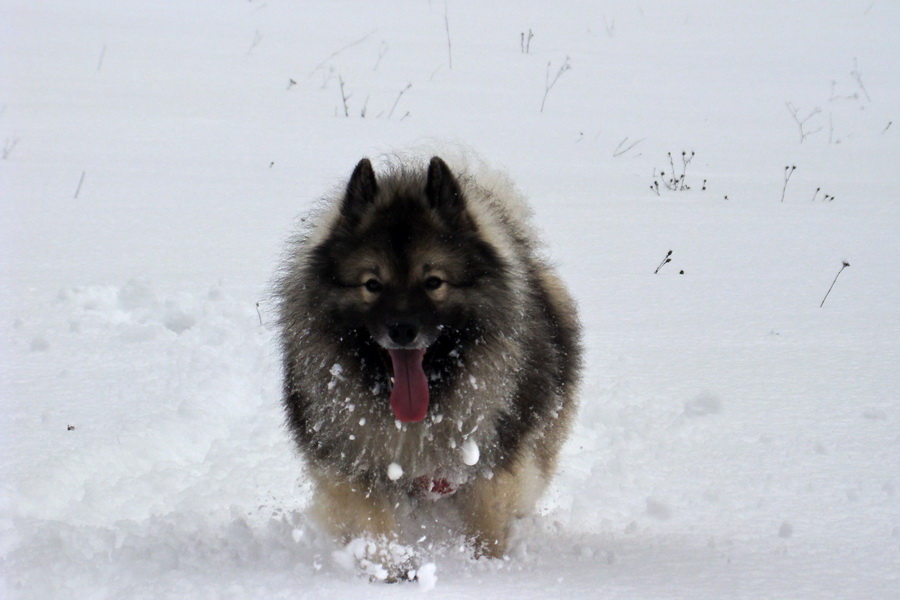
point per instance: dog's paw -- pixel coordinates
(379, 560)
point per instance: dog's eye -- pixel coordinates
(373, 286)
(433, 283)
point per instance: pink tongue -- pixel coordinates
(409, 396)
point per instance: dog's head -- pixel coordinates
(407, 268)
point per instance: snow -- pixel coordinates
(426, 577)
(394, 471)
(469, 453)
(735, 440)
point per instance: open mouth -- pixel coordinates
(409, 392)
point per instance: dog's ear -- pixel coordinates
(442, 190)
(361, 191)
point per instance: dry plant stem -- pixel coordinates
(449, 46)
(619, 151)
(339, 50)
(677, 183)
(400, 95)
(80, 182)
(548, 85)
(102, 56)
(9, 146)
(610, 26)
(344, 97)
(382, 50)
(362, 113)
(257, 38)
(788, 171)
(843, 266)
(525, 43)
(667, 259)
(801, 122)
(858, 77)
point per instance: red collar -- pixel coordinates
(433, 488)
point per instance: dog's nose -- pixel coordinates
(403, 333)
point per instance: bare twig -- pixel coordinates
(8, 146)
(667, 259)
(677, 183)
(610, 26)
(344, 97)
(801, 121)
(835, 96)
(858, 77)
(447, 28)
(78, 189)
(382, 50)
(327, 77)
(257, 38)
(102, 56)
(844, 265)
(362, 113)
(788, 171)
(400, 95)
(525, 42)
(548, 85)
(619, 151)
(341, 49)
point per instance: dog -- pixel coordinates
(429, 351)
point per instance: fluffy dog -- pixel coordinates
(429, 352)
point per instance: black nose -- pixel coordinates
(403, 333)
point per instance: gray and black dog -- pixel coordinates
(429, 351)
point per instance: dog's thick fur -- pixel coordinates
(425, 258)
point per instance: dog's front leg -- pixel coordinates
(352, 509)
(488, 507)
(362, 517)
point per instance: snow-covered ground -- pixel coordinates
(736, 440)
